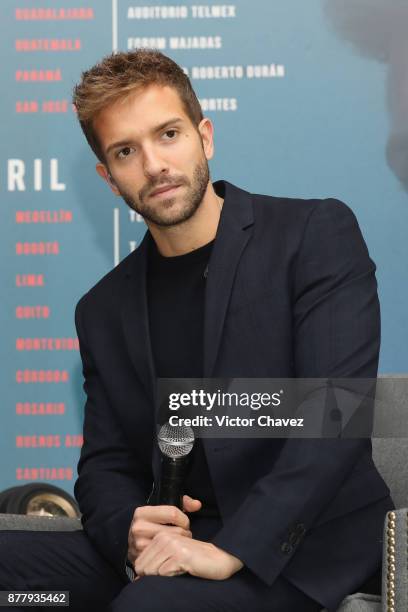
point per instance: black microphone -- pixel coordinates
(175, 443)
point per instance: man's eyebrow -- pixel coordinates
(158, 128)
(172, 121)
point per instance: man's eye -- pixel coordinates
(171, 134)
(125, 152)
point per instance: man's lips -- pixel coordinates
(164, 189)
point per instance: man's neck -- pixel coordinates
(194, 233)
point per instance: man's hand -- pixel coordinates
(149, 521)
(171, 554)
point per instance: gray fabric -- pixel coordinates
(391, 405)
(359, 602)
(401, 562)
(391, 458)
(38, 523)
(391, 454)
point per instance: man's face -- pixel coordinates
(156, 159)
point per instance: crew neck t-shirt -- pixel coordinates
(176, 294)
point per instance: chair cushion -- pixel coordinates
(360, 602)
(23, 522)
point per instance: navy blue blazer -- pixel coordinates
(291, 292)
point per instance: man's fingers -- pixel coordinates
(142, 541)
(158, 549)
(190, 504)
(169, 529)
(140, 544)
(164, 515)
(146, 531)
(170, 568)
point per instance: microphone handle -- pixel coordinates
(171, 483)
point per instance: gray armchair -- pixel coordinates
(391, 458)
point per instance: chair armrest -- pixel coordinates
(395, 562)
(24, 522)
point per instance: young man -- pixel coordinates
(224, 284)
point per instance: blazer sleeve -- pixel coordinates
(336, 334)
(110, 482)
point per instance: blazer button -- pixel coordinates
(286, 548)
(300, 529)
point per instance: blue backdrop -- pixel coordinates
(309, 99)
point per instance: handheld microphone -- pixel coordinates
(175, 444)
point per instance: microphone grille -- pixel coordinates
(175, 441)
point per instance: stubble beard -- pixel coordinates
(161, 214)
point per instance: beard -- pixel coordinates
(164, 213)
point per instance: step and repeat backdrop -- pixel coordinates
(308, 99)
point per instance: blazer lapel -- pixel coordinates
(135, 319)
(231, 239)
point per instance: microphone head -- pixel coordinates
(175, 442)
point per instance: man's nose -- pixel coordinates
(153, 163)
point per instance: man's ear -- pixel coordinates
(104, 173)
(206, 129)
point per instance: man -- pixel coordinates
(224, 284)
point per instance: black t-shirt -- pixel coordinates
(176, 292)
